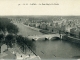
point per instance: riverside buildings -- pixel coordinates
(71, 26)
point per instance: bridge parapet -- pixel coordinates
(48, 36)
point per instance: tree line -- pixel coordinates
(5, 24)
(11, 38)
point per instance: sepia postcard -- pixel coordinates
(39, 29)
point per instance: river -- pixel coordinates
(50, 49)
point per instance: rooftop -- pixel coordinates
(7, 55)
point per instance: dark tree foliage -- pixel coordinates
(20, 39)
(5, 23)
(1, 38)
(9, 37)
(9, 40)
(12, 28)
(24, 42)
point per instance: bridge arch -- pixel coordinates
(46, 37)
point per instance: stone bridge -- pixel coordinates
(45, 36)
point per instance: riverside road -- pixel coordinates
(50, 49)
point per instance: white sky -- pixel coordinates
(65, 7)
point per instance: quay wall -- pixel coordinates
(71, 39)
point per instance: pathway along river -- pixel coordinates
(50, 49)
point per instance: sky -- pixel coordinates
(64, 7)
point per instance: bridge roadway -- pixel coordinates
(47, 36)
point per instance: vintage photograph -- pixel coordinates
(39, 30)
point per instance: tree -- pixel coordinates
(1, 36)
(12, 28)
(20, 39)
(1, 41)
(29, 43)
(24, 43)
(9, 40)
(5, 23)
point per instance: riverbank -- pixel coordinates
(50, 49)
(71, 39)
(41, 30)
(26, 30)
(33, 32)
